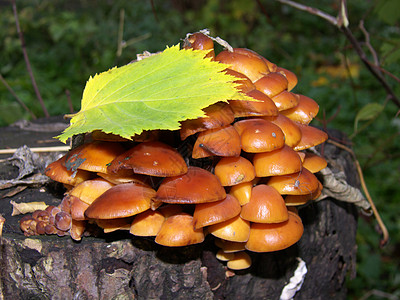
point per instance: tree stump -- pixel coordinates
(121, 266)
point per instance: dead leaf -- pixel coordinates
(24, 208)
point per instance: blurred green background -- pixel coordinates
(67, 41)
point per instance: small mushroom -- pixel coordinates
(266, 237)
(240, 261)
(242, 192)
(223, 256)
(90, 190)
(77, 208)
(235, 230)
(259, 135)
(263, 106)
(310, 137)
(206, 214)
(121, 201)
(150, 158)
(300, 183)
(314, 163)
(229, 246)
(277, 162)
(110, 225)
(147, 223)
(272, 84)
(178, 231)
(234, 170)
(304, 111)
(196, 186)
(244, 84)
(290, 129)
(285, 100)
(200, 41)
(290, 76)
(266, 205)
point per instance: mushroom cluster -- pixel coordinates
(236, 174)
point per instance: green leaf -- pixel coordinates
(368, 112)
(154, 93)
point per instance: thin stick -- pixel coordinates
(16, 97)
(120, 32)
(38, 149)
(385, 233)
(71, 107)
(27, 62)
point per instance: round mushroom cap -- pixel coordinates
(242, 192)
(224, 256)
(271, 66)
(240, 261)
(290, 76)
(235, 230)
(277, 162)
(58, 172)
(147, 223)
(310, 137)
(77, 229)
(285, 100)
(300, 183)
(121, 201)
(234, 170)
(200, 41)
(196, 186)
(314, 163)
(217, 115)
(266, 237)
(263, 106)
(272, 84)
(266, 205)
(259, 135)
(77, 208)
(94, 156)
(90, 190)
(244, 84)
(150, 158)
(110, 225)
(290, 129)
(296, 200)
(305, 110)
(206, 214)
(229, 246)
(178, 231)
(244, 62)
(223, 141)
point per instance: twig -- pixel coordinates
(27, 62)
(385, 233)
(38, 149)
(120, 32)
(341, 22)
(16, 97)
(71, 107)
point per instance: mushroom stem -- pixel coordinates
(382, 226)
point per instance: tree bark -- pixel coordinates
(121, 266)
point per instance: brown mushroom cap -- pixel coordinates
(234, 170)
(271, 66)
(58, 172)
(290, 129)
(259, 135)
(217, 115)
(272, 84)
(150, 158)
(110, 225)
(274, 237)
(264, 106)
(178, 231)
(206, 214)
(94, 156)
(266, 205)
(77, 208)
(278, 162)
(244, 84)
(240, 261)
(196, 186)
(296, 200)
(285, 100)
(125, 176)
(244, 62)
(90, 190)
(304, 111)
(200, 41)
(290, 76)
(224, 141)
(310, 137)
(77, 229)
(242, 192)
(229, 246)
(123, 200)
(300, 183)
(314, 163)
(235, 230)
(147, 223)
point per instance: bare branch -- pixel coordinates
(27, 62)
(16, 97)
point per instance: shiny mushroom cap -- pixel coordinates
(196, 186)
(314, 163)
(234, 170)
(272, 84)
(304, 112)
(147, 223)
(235, 230)
(58, 172)
(310, 137)
(90, 190)
(290, 129)
(300, 183)
(240, 261)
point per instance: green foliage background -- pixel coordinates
(67, 41)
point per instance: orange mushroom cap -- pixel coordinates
(240, 261)
(310, 137)
(147, 223)
(277, 162)
(290, 129)
(229, 246)
(110, 225)
(150, 158)
(244, 84)
(224, 141)
(290, 76)
(300, 183)
(272, 84)
(90, 190)
(271, 66)
(305, 110)
(196, 186)
(285, 100)
(264, 106)
(242, 192)
(235, 230)
(266, 237)
(314, 163)
(200, 41)
(296, 200)
(259, 135)
(266, 205)
(94, 156)
(178, 231)
(234, 170)
(206, 214)
(123, 200)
